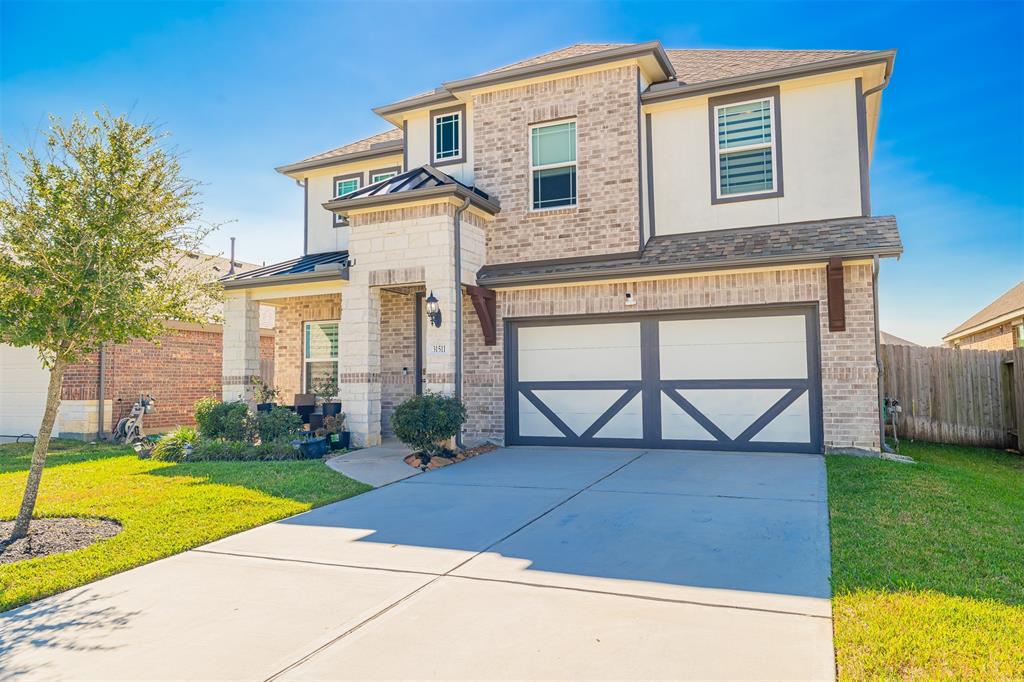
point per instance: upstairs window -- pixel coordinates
(746, 148)
(380, 176)
(345, 184)
(553, 165)
(320, 354)
(448, 136)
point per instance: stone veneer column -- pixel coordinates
(359, 360)
(241, 339)
(439, 360)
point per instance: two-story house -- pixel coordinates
(605, 245)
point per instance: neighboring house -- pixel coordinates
(893, 340)
(654, 248)
(178, 370)
(997, 326)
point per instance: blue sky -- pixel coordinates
(246, 86)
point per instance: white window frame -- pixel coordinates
(379, 177)
(306, 360)
(549, 166)
(746, 148)
(358, 181)
(458, 136)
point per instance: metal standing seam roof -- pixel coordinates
(295, 266)
(1010, 302)
(425, 181)
(742, 247)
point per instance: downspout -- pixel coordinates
(101, 389)
(878, 360)
(458, 309)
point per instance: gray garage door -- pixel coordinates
(716, 380)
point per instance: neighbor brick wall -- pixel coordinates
(606, 218)
(848, 369)
(397, 352)
(179, 370)
(291, 313)
(999, 337)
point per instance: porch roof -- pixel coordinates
(314, 267)
(419, 183)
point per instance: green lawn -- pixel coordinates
(164, 507)
(928, 564)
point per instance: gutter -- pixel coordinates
(458, 309)
(673, 90)
(624, 272)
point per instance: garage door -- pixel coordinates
(738, 380)
(23, 384)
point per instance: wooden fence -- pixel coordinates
(968, 397)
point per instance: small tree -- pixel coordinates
(426, 422)
(93, 232)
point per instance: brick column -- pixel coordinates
(359, 360)
(241, 339)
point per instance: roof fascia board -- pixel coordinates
(391, 111)
(293, 278)
(680, 90)
(390, 148)
(594, 58)
(499, 281)
(981, 326)
(413, 195)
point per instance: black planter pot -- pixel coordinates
(339, 441)
(314, 448)
(330, 409)
(265, 407)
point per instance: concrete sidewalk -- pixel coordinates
(523, 563)
(376, 466)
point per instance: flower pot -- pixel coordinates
(314, 448)
(264, 407)
(330, 409)
(339, 441)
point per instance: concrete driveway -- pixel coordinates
(525, 563)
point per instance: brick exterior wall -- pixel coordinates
(999, 337)
(291, 313)
(848, 370)
(397, 352)
(179, 370)
(606, 218)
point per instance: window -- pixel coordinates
(746, 151)
(319, 354)
(345, 184)
(1020, 336)
(447, 140)
(553, 165)
(382, 174)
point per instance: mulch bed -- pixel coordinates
(438, 461)
(53, 536)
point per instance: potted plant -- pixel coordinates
(313, 448)
(264, 394)
(334, 431)
(326, 391)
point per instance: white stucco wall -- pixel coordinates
(820, 161)
(419, 132)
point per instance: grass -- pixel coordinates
(165, 508)
(928, 564)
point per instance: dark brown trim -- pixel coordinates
(639, 164)
(733, 98)
(650, 178)
(485, 304)
(836, 295)
(862, 148)
(305, 216)
(390, 169)
(339, 221)
(418, 326)
(405, 145)
(463, 124)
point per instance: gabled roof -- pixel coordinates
(1009, 303)
(330, 265)
(387, 143)
(419, 183)
(719, 249)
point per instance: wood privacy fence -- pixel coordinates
(967, 397)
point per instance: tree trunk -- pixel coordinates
(35, 472)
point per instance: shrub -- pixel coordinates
(277, 424)
(203, 409)
(224, 420)
(424, 422)
(262, 392)
(170, 447)
(208, 450)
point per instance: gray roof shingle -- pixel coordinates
(1011, 301)
(792, 242)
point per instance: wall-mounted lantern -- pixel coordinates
(433, 310)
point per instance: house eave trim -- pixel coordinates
(430, 99)
(677, 90)
(340, 274)
(498, 281)
(393, 148)
(982, 326)
(341, 206)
